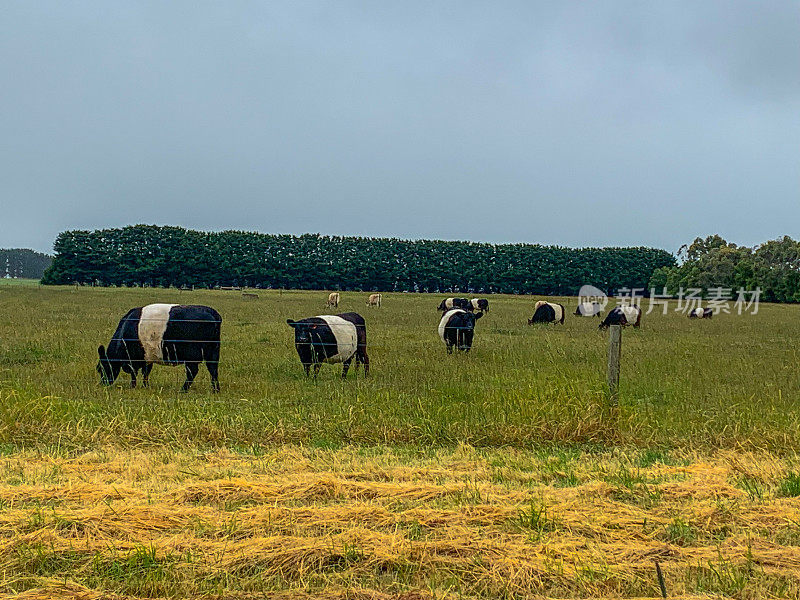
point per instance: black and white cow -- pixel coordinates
(701, 313)
(457, 328)
(623, 315)
(167, 334)
(331, 339)
(451, 303)
(589, 309)
(547, 312)
(481, 304)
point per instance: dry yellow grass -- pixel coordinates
(392, 523)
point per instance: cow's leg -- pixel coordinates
(307, 368)
(361, 357)
(346, 367)
(212, 364)
(316, 369)
(213, 370)
(130, 370)
(191, 373)
(146, 374)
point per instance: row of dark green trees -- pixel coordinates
(24, 263)
(712, 262)
(173, 256)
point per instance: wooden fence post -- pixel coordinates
(614, 353)
(661, 583)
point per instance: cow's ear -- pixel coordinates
(101, 351)
(291, 323)
(478, 315)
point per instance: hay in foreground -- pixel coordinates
(389, 523)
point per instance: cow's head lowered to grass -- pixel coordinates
(107, 368)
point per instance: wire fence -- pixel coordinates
(55, 366)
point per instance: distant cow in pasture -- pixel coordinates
(457, 329)
(547, 312)
(451, 303)
(481, 304)
(374, 300)
(249, 296)
(331, 339)
(167, 334)
(589, 309)
(333, 299)
(623, 315)
(701, 313)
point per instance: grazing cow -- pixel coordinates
(451, 303)
(481, 304)
(623, 315)
(374, 300)
(331, 339)
(457, 328)
(547, 312)
(333, 299)
(589, 309)
(167, 334)
(701, 313)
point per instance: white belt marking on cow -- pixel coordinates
(152, 325)
(446, 319)
(631, 313)
(346, 338)
(558, 310)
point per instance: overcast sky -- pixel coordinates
(586, 123)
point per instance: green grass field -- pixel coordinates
(730, 382)
(19, 282)
(497, 474)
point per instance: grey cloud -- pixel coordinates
(568, 123)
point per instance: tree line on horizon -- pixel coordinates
(712, 262)
(173, 256)
(23, 263)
